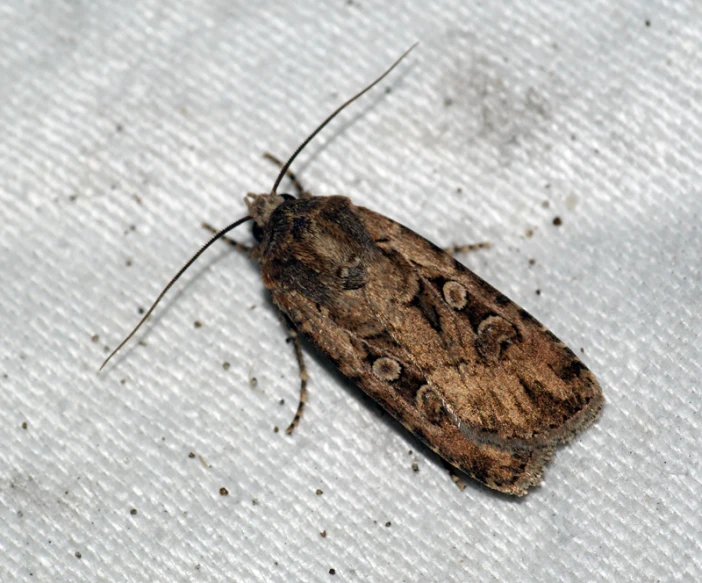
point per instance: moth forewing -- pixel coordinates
(465, 369)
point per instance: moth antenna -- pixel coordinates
(190, 261)
(338, 110)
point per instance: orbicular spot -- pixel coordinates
(387, 369)
(429, 403)
(353, 275)
(455, 295)
(494, 334)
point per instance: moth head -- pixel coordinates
(261, 207)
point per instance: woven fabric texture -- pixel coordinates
(125, 125)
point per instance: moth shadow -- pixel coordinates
(392, 424)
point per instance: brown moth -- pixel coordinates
(461, 366)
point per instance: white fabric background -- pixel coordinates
(125, 125)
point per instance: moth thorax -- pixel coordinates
(261, 206)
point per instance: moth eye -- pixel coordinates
(455, 295)
(387, 369)
(257, 232)
(288, 197)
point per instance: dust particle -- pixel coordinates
(532, 261)
(538, 292)
(191, 455)
(319, 492)
(133, 512)
(332, 572)
(415, 467)
(223, 492)
(529, 233)
(95, 338)
(197, 324)
(24, 425)
(226, 365)
(323, 534)
(78, 555)
(275, 429)
(388, 524)
(557, 221)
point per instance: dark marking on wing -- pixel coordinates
(571, 370)
(424, 302)
(554, 411)
(293, 274)
(526, 316)
(300, 226)
(552, 337)
(502, 300)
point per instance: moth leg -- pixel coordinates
(455, 249)
(454, 476)
(301, 192)
(238, 246)
(295, 339)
